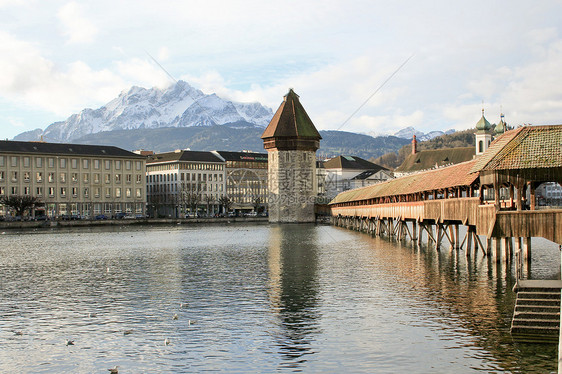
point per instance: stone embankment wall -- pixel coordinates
(126, 222)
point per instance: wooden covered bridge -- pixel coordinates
(493, 196)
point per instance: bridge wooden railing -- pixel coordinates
(463, 210)
(529, 223)
(467, 211)
(411, 210)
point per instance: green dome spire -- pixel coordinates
(483, 125)
(501, 126)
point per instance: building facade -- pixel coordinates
(74, 179)
(343, 173)
(246, 180)
(185, 183)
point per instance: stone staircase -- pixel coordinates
(536, 318)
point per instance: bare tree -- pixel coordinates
(193, 198)
(225, 202)
(208, 200)
(20, 203)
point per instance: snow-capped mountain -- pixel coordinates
(179, 105)
(408, 132)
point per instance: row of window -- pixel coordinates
(167, 198)
(95, 208)
(185, 166)
(63, 162)
(246, 165)
(64, 192)
(185, 187)
(157, 178)
(74, 177)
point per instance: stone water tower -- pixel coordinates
(291, 141)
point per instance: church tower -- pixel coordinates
(291, 141)
(483, 135)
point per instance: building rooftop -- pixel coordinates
(242, 156)
(351, 162)
(187, 156)
(429, 159)
(365, 175)
(438, 179)
(10, 146)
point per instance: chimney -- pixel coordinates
(414, 145)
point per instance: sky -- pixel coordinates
(59, 57)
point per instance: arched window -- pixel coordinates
(480, 146)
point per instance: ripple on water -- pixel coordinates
(261, 298)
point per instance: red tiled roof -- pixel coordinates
(452, 176)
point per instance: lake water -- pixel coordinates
(260, 298)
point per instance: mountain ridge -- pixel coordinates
(179, 105)
(236, 136)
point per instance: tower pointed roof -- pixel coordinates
(291, 127)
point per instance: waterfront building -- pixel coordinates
(343, 173)
(246, 180)
(184, 183)
(291, 141)
(73, 179)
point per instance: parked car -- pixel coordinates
(42, 217)
(120, 215)
(71, 217)
(101, 216)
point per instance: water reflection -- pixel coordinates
(263, 298)
(470, 299)
(293, 289)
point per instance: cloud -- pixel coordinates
(76, 26)
(163, 54)
(143, 72)
(334, 56)
(16, 122)
(330, 94)
(30, 78)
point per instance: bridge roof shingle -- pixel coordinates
(452, 176)
(528, 147)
